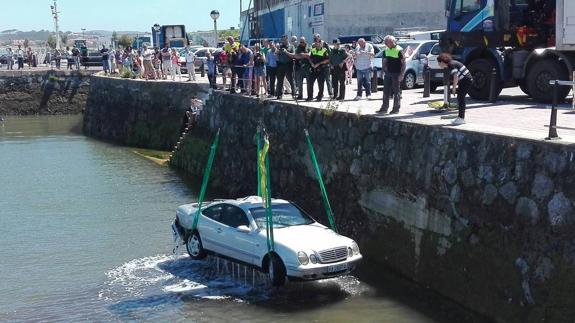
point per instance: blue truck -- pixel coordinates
(174, 35)
(526, 42)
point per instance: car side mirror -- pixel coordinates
(244, 229)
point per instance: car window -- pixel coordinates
(214, 212)
(436, 50)
(284, 215)
(233, 216)
(426, 48)
(201, 53)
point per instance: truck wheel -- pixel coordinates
(276, 271)
(194, 246)
(481, 70)
(538, 80)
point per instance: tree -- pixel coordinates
(51, 42)
(64, 39)
(125, 41)
(114, 39)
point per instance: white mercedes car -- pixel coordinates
(236, 229)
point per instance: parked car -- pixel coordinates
(415, 53)
(236, 229)
(433, 65)
(201, 55)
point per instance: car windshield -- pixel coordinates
(284, 215)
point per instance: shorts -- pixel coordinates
(259, 71)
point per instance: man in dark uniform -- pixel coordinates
(302, 66)
(285, 66)
(319, 58)
(337, 57)
(393, 65)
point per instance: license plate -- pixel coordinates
(336, 268)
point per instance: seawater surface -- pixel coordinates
(85, 236)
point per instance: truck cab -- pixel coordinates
(526, 42)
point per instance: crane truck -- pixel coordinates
(523, 42)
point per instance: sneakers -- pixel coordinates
(368, 97)
(458, 121)
(357, 98)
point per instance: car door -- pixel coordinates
(211, 229)
(240, 243)
(421, 57)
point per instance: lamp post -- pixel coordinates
(55, 16)
(215, 15)
(156, 35)
(83, 36)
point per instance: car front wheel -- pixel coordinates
(276, 271)
(194, 246)
(409, 81)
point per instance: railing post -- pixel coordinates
(493, 86)
(374, 81)
(426, 82)
(446, 95)
(553, 121)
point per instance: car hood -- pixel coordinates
(309, 237)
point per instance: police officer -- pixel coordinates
(326, 76)
(319, 59)
(393, 65)
(337, 59)
(285, 66)
(302, 66)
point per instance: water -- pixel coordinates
(85, 235)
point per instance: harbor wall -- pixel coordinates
(482, 219)
(52, 92)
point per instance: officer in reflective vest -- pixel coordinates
(393, 65)
(319, 59)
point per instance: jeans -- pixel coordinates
(363, 81)
(212, 80)
(106, 65)
(462, 89)
(20, 63)
(391, 87)
(338, 82)
(77, 62)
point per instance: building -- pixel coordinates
(335, 18)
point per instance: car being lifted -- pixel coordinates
(236, 229)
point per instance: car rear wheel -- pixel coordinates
(481, 70)
(276, 271)
(409, 81)
(538, 80)
(194, 246)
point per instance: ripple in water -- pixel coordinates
(164, 281)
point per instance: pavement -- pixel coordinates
(514, 114)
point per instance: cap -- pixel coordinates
(336, 41)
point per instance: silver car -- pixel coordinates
(415, 53)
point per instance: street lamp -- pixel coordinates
(156, 35)
(215, 15)
(83, 36)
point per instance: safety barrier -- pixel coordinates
(553, 122)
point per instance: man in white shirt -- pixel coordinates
(363, 55)
(20, 57)
(190, 59)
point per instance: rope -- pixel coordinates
(324, 196)
(207, 171)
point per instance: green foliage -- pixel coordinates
(125, 41)
(64, 38)
(230, 32)
(52, 41)
(127, 74)
(330, 108)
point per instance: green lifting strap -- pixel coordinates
(207, 171)
(259, 144)
(324, 197)
(263, 165)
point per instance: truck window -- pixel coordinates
(462, 7)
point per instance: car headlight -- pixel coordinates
(355, 248)
(302, 257)
(349, 252)
(313, 259)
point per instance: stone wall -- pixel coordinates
(485, 220)
(43, 92)
(147, 114)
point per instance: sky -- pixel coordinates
(121, 15)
